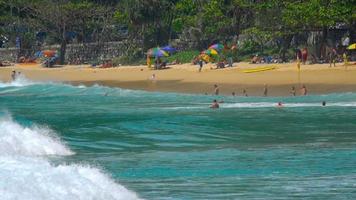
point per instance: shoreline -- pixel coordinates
(319, 78)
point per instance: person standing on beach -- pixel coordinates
(265, 90)
(200, 62)
(303, 91)
(298, 54)
(304, 55)
(332, 57)
(216, 89)
(292, 91)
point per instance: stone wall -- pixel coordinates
(75, 53)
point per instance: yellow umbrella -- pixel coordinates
(352, 47)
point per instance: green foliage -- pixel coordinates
(183, 56)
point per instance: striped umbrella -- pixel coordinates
(217, 47)
(157, 52)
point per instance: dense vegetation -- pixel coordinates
(256, 26)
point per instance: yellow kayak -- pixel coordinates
(259, 69)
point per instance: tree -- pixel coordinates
(60, 18)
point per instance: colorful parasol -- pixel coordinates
(157, 52)
(352, 46)
(210, 52)
(217, 47)
(169, 49)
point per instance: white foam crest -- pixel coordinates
(35, 178)
(20, 81)
(29, 141)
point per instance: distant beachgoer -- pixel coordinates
(280, 104)
(233, 94)
(216, 89)
(304, 91)
(265, 90)
(230, 61)
(304, 55)
(244, 93)
(148, 60)
(200, 62)
(153, 77)
(323, 103)
(292, 91)
(13, 75)
(215, 104)
(18, 74)
(332, 57)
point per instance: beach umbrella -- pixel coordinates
(352, 47)
(217, 47)
(169, 49)
(49, 53)
(210, 52)
(205, 58)
(38, 54)
(157, 52)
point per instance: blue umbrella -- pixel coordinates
(39, 54)
(169, 49)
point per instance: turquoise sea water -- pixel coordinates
(73, 142)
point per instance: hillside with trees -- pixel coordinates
(270, 27)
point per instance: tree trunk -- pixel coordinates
(324, 42)
(63, 51)
(285, 46)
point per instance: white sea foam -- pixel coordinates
(26, 173)
(20, 81)
(30, 141)
(37, 179)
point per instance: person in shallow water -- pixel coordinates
(216, 89)
(323, 103)
(215, 104)
(292, 91)
(13, 75)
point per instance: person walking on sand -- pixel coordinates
(216, 89)
(215, 104)
(303, 91)
(265, 90)
(292, 91)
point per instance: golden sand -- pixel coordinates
(318, 78)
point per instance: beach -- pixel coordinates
(185, 78)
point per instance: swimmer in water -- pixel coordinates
(280, 104)
(215, 104)
(323, 103)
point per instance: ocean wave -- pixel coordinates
(20, 81)
(36, 178)
(16, 139)
(26, 173)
